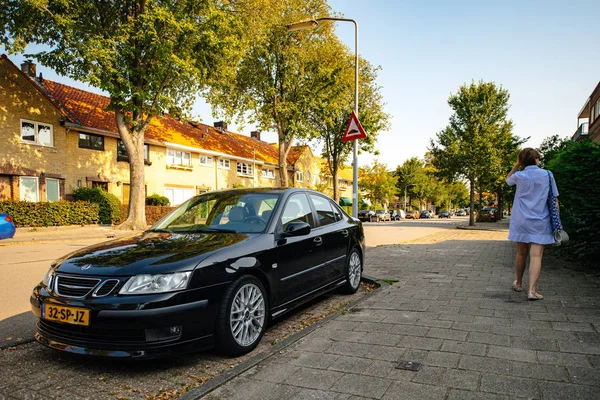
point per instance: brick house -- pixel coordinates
(58, 138)
(588, 119)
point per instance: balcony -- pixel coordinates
(581, 132)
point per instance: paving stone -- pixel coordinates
(345, 336)
(489, 338)
(539, 371)
(451, 334)
(442, 359)
(464, 395)
(367, 386)
(314, 378)
(379, 368)
(510, 353)
(429, 375)
(386, 339)
(527, 324)
(491, 321)
(595, 360)
(562, 391)
(564, 359)
(416, 391)
(588, 337)
(424, 343)
(384, 353)
(485, 364)
(557, 335)
(548, 317)
(510, 330)
(461, 379)
(509, 385)
(534, 343)
(457, 317)
(572, 327)
(408, 330)
(314, 360)
(276, 375)
(579, 347)
(470, 327)
(584, 376)
(434, 323)
(349, 348)
(312, 394)
(476, 349)
(316, 344)
(240, 389)
(350, 364)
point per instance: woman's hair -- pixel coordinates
(528, 156)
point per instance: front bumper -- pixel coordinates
(127, 326)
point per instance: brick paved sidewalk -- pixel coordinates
(453, 311)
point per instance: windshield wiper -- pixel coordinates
(160, 230)
(213, 230)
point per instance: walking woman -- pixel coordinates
(530, 220)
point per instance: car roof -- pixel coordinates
(277, 190)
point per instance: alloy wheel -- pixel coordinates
(247, 315)
(354, 270)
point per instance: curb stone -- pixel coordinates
(214, 383)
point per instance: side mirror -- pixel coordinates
(296, 229)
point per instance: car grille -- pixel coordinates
(70, 286)
(88, 336)
(106, 287)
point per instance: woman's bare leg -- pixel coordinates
(521, 262)
(535, 266)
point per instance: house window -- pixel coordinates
(176, 157)
(177, 196)
(299, 176)
(268, 173)
(29, 189)
(224, 163)
(206, 160)
(52, 190)
(89, 141)
(122, 154)
(244, 169)
(307, 176)
(37, 133)
(597, 108)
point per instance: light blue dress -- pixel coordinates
(530, 219)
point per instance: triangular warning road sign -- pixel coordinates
(354, 129)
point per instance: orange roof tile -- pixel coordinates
(295, 153)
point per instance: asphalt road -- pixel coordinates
(22, 266)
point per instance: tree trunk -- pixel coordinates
(335, 184)
(472, 204)
(500, 211)
(134, 144)
(283, 176)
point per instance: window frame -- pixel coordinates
(221, 163)
(316, 212)
(181, 158)
(207, 163)
(58, 189)
(37, 188)
(247, 166)
(313, 223)
(264, 173)
(299, 176)
(125, 157)
(36, 133)
(90, 147)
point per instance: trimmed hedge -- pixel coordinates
(576, 169)
(110, 211)
(153, 213)
(59, 213)
(157, 200)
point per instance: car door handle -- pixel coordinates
(318, 241)
(344, 232)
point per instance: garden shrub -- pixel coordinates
(576, 169)
(153, 213)
(157, 200)
(58, 213)
(110, 210)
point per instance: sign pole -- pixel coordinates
(355, 161)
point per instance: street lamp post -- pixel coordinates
(311, 24)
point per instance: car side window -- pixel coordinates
(324, 210)
(337, 212)
(297, 209)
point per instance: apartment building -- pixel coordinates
(588, 119)
(56, 138)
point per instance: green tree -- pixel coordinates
(549, 148)
(280, 75)
(150, 56)
(333, 107)
(378, 184)
(408, 175)
(468, 147)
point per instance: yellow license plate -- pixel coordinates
(67, 315)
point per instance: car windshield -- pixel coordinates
(239, 212)
(380, 211)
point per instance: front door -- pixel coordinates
(300, 259)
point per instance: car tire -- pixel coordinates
(237, 336)
(353, 273)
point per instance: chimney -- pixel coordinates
(220, 125)
(28, 67)
(255, 135)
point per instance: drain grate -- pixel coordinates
(409, 365)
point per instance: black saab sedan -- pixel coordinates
(212, 272)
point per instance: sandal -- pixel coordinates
(517, 288)
(534, 296)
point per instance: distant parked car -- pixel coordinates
(461, 213)
(383, 215)
(425, 214)
(7, 227)
(367, 216)
(397, 215)
(444, 214)
(412, 214)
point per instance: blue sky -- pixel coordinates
(545, 53)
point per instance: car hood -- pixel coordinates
(148, 253)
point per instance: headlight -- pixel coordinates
(48, 278)
(146, 284)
